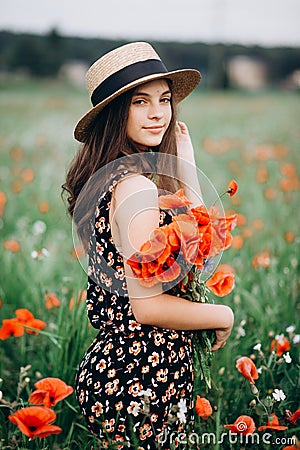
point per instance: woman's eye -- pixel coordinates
(166, 99)
(139, 101)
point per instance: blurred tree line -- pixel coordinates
(44, 55)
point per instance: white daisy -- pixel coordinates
(39, 227)
(287, 357)
(278, 395)
(296, 339)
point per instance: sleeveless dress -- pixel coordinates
(134, 385)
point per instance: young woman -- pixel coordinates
(135, 382)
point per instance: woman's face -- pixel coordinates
(150, 114)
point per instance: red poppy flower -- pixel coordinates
(51, 300)
(27, 319)
(187, 232)
(292, 447)
(11, 245)
(247, 368)
(172, 271)
(197, 234)
(206, 233)
(155, 262)
(221, 229)
(222, 282)
(201, 215)
(35, 421)
(280, 345)
(49, 392)
(273, 424)
(243, 425)
(171, 201)
(261, 260)
(232, 187)
(11, 327)
(295, 416)
(203, 408)
(156, 248)
(3, 200)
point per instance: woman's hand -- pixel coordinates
(184, 144)
(221, 337)
(186, 165)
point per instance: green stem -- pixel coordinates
(218, 422)
(289, 378)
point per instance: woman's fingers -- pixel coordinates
(181, 126)
(221, 339)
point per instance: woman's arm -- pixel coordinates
(187, 169)
(137, 215)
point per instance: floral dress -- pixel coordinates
(134, 385)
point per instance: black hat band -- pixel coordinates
(124, 76)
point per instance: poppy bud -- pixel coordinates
(254, 389)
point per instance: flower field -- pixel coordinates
(255, 396)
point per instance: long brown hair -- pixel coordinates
(108, 142)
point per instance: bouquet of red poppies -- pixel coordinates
(181, 254)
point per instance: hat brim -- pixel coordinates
(184, 82)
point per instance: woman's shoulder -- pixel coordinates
(134, 182)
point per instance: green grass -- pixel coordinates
(226, 128)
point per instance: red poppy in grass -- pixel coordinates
(247, 368)
(203, 407)
(295, 416)
(243, 425)
(51, 300)
(27, 319)
(292, 447)
(289, 237)
(3, 200)
(171, 201)
(232, 187)
(49, 392)
(81, 297)
(261, 260)
(280, 345)
(35, 421)
(237, 242)
(273, 424)
(222, 282)
(11, 245)
(11, 327)
(27, 175)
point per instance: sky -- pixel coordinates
(261, 22)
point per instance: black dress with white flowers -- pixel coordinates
(135, 382)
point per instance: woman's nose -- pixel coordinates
(155, 111)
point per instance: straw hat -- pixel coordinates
(125, 68)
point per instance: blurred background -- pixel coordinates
(235, 44)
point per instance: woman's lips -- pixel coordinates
(155, 130)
